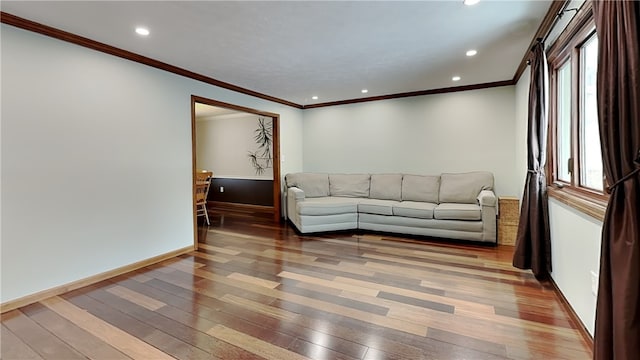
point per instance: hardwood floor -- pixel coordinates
(256, 289)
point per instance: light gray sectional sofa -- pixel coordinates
(457, 206)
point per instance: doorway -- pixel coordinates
(256, 150)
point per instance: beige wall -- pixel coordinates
(223, 143)
(453, 132)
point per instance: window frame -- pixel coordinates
(553, 121)
(568, 48)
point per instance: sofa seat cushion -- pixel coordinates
(414, 209)
(455, 211)
(329, 205)
(375, 206)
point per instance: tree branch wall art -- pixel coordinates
(262, 158)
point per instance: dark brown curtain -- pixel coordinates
(533, 245)
(617, 330)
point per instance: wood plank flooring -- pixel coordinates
(259, 290)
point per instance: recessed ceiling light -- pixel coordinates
(456, 78)
(470, 2)
(142, 31)
(471, 52)
(314, 98)
(364, 91)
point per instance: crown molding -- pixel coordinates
(46, 30)
(549, 20)
(33, 26)
(414, 93)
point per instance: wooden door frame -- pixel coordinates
(276, 152)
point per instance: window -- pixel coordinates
(564, 123)
(575, 157)
(590, 152)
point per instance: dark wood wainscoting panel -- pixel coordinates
(242, 191)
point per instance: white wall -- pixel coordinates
(96, 160)
(223, 143)
(454, 132)
(575, 237)
(575, 251)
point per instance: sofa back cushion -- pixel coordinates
(464, 187)
(420, 188)
(386, 187)
(349, 185)
(313, 184)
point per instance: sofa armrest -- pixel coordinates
(488, 205)
(295, 193)
(487, 198)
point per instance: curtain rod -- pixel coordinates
(556, 18)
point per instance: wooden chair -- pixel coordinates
(203, 182)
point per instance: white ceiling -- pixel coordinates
(293, 50)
